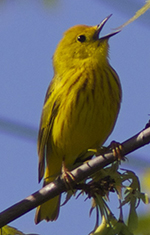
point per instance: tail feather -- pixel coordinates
(48, 210)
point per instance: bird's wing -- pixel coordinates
(49, 113)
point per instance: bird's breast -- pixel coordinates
(87, 112)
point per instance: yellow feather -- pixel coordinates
(81, 106)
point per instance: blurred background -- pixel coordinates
(29, 33)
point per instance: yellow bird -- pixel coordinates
(80, 108)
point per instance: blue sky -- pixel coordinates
(29, 33)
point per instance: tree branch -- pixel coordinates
(58, 186)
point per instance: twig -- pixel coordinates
(58, 186)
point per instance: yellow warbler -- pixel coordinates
(81, 106)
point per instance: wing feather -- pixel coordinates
(49, 113)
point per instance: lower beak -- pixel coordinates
(99, 29)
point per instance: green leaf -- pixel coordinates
(7, 230)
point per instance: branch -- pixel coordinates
(58, 186)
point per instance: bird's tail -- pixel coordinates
(48, 210)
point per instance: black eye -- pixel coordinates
(81, 38)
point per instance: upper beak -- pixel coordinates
(99, 28)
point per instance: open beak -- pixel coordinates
(99, 29)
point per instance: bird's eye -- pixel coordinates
(81, 38)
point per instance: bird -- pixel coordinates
(80, 109)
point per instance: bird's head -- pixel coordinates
(80, 43)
